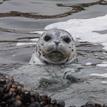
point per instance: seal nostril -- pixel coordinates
(57, 42)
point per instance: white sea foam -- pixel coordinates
(36, 32)
(25, 43)
(104, 75)
(103, 64)
(88, 63)
(31, 42)
(104, 82)
(85, 29)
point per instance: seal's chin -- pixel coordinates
(56, 56)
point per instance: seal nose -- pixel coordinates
(57, 43)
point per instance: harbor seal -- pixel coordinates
(55, 46)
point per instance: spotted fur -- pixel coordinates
(53, 45)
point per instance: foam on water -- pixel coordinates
(85, 29)
(103, 64)
(103, 75)
(82, 30)
(88, 63)
(31, 42)
(25, 43)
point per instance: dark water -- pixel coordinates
(19, 17)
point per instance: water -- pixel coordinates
(18, 18)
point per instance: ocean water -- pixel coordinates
(21, 24)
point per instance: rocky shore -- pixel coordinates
(13, 94)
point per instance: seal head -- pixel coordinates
(55, 46)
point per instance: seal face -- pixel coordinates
(55, 46)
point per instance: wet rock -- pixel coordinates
(61, 103)
(72, 79)
(35, 104)
(45, 100)
(18, 103)
(105, 105)
(92, 104)
(72, 106)
(13, 94)
(103, 2)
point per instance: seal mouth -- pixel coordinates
(56, 56)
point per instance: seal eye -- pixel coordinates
(47, 38)
(66, 39)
